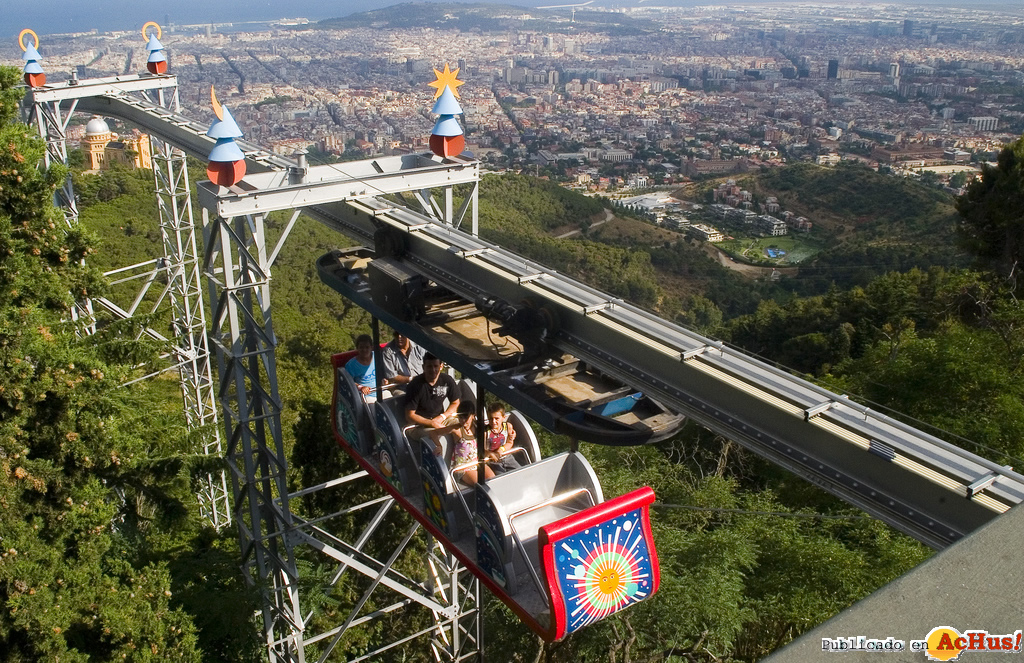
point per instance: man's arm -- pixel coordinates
(391, 368)
(453, 403)
(413, 418)
(413, 403)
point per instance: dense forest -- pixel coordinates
(104, 555)
(876, 223)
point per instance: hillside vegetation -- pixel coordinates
(867, 223)
(850, 196)
(110, 561)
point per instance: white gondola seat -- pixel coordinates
(510, 509)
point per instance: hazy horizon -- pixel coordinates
(63, 16)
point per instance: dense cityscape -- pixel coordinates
(611, 98)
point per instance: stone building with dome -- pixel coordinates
(103, 147)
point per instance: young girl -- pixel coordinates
(463, 434)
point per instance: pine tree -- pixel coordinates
(80, 472)
(991, 226)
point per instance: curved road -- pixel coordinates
(608, 216)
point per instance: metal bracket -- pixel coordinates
(815, 410)
(984, 482)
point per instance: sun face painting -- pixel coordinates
(603, 569)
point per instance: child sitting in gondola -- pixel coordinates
(500, 438)
(363, 368)
(463, 435)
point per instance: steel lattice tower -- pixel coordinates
(178, 267)
(190, 348)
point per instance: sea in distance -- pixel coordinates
(70, 16)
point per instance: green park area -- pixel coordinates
(785, 250)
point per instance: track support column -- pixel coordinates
(238, 276)
(458, 637)
(52, 122)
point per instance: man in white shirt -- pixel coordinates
(403, 360)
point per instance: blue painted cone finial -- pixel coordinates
(224, 126)
(226, 163)
(446, 138)
(157, 62)
(33, 72)
(447, 104)
(156, 50)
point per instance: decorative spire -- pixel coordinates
(226, 163)
(157, 63)
(447, 139)
(446, 78)
(34, 75)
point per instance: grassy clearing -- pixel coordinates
(798, 249)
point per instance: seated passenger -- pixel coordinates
(500, 438)
(425, 396)
(463, 434)
(363, 368)
(403, 359)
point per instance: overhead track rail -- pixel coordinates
(928, 488)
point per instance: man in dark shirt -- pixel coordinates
(424, 404)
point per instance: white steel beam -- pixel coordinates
(100, 87)
(261, 193)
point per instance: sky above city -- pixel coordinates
(59, 16)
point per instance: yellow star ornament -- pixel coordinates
(446, 78)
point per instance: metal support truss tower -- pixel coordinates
(190, 348)
(52, 123)
(447, 589)
(237, 264)
(237, 269)
(179, 266)
(458, 636)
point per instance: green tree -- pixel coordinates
(991, 226)
(86, 468)
(702, 315)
